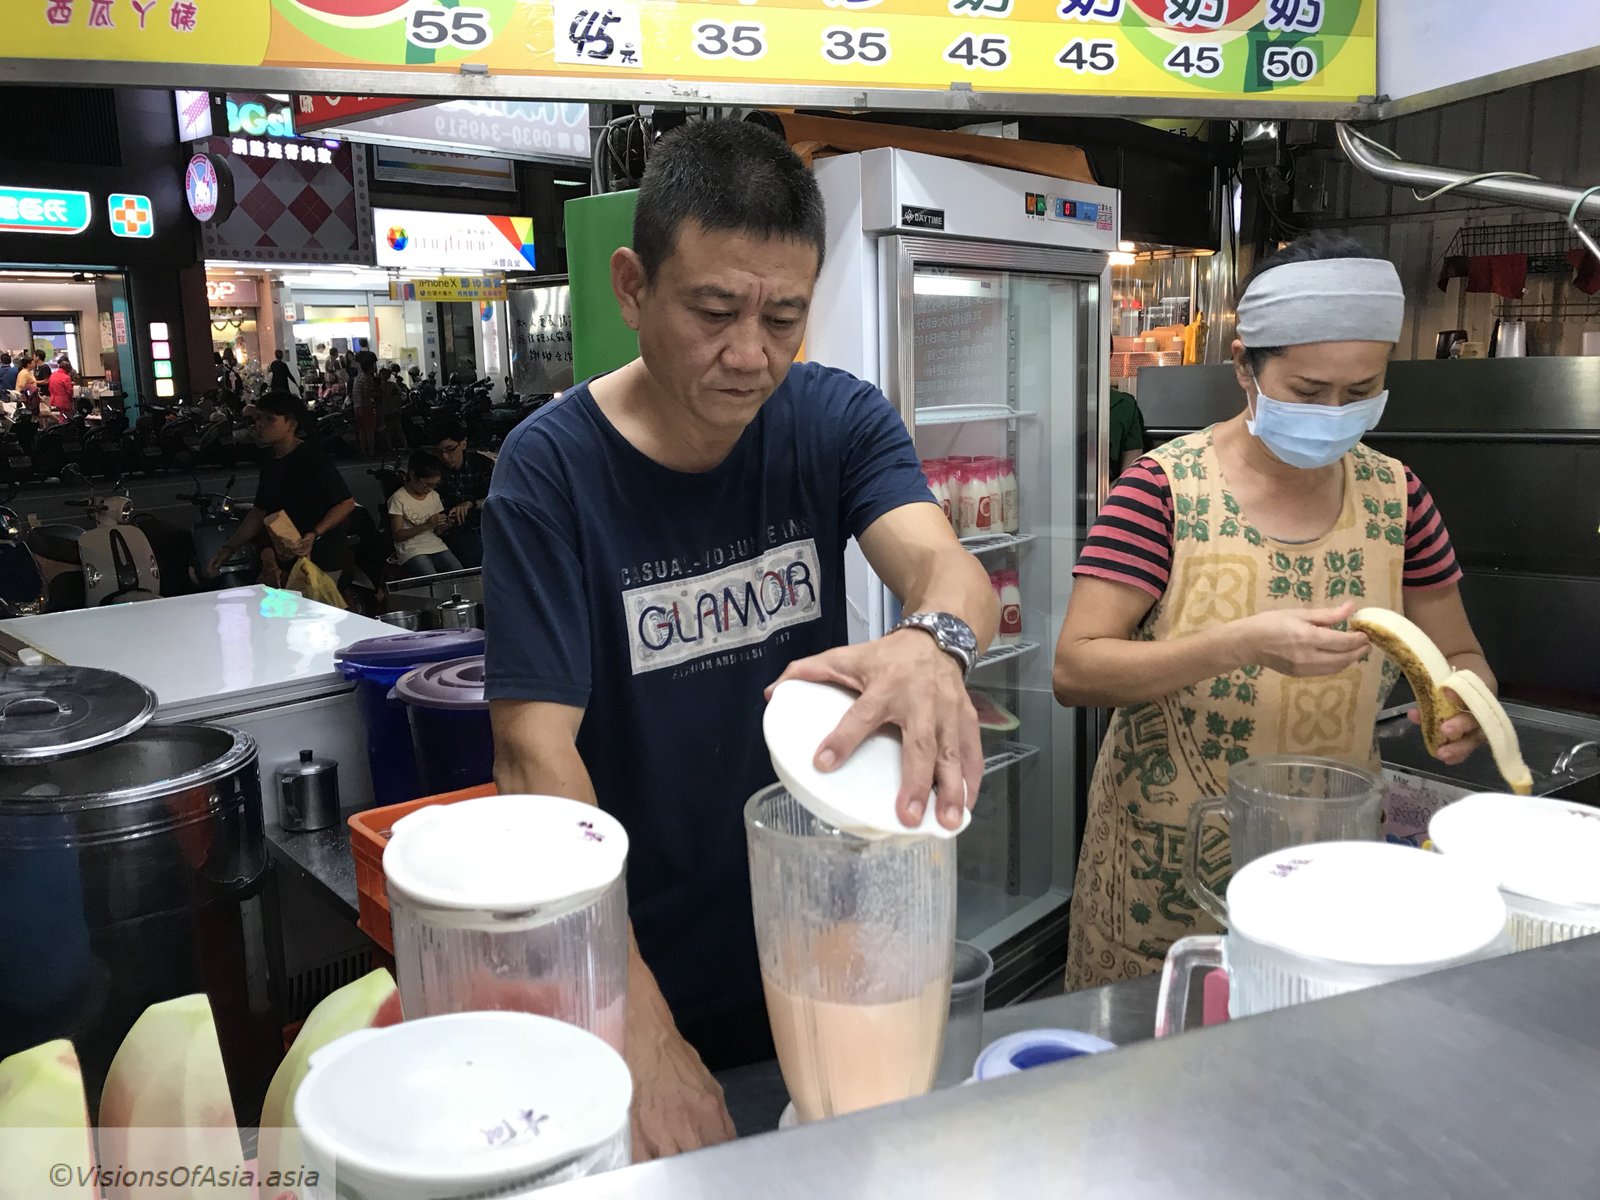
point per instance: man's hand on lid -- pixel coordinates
(906, 680)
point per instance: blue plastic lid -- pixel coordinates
(1035, 1048)
(410, 649)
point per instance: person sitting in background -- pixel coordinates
(298, 480)
(417, 518)
(61, 389)
(463, 487)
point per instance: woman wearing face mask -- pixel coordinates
(1210, 601)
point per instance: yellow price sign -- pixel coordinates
(225, 32)
(1223, 50)
(449, 289)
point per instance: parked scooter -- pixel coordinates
(104, 452)
(110, 563)
(217, 522)
(57, 448)
(22, 590)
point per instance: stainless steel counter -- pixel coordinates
(1477, 1082)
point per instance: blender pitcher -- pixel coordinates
(513, 903)
(855, 938)
(1279, 801)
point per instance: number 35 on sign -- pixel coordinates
(594, 34)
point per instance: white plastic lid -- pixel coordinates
(506, 855)
(1529, 845)
(462, 1102)
(858, 796)
(1365, 904)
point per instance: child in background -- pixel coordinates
(416, 516)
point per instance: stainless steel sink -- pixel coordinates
(1556, 745)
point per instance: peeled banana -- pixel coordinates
(1432, 679)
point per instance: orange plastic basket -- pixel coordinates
(369, 834)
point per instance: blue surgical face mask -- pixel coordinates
(1313, 435)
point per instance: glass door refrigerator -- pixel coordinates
(974, 296)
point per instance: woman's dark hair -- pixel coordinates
(1318, 246)
(728, 176)
(284, 404)
(425, 464)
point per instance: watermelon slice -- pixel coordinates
(372, 1001)
(992, 715)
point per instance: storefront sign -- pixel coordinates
(407, 237)
(541, 339)
(44, 210)
(512, 128)
(131, 216)
(260, 119)
(449, 289)
(298, 200)
(208, 188)
(317, 112)
(232, 293)
(194, 115)
(437, 168)
(1290, 50)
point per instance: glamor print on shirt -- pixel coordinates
(724, 610)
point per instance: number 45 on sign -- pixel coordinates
(598, 35)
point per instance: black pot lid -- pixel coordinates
(52, 711)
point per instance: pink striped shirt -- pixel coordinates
(1131, 542)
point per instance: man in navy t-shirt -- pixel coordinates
(664, 542)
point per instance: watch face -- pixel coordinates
(957, 632)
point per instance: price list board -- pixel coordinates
(1290, 51)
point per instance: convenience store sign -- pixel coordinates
(1294, 50)
(44, 210)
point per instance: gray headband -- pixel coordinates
(1328, 300)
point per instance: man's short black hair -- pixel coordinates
(729, 176)
(1317, 246)
(449, 429)
(284, 404)
(425, 464)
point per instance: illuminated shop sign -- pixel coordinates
(44, 210)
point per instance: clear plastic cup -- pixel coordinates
(963, 1030)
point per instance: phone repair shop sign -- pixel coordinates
(44, 210)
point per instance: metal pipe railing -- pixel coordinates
(1502, 189)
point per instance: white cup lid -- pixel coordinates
(1365, 904)
(506, 854)
(1532, 846)
(858, 796)
(465, 1099)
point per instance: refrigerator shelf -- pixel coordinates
(967, 414)
(987, 543)
(1009, 755)
(1004, 653)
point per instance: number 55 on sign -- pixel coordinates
(598, 35)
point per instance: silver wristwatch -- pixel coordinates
(955, 636)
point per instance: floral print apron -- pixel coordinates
(1129, 903)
